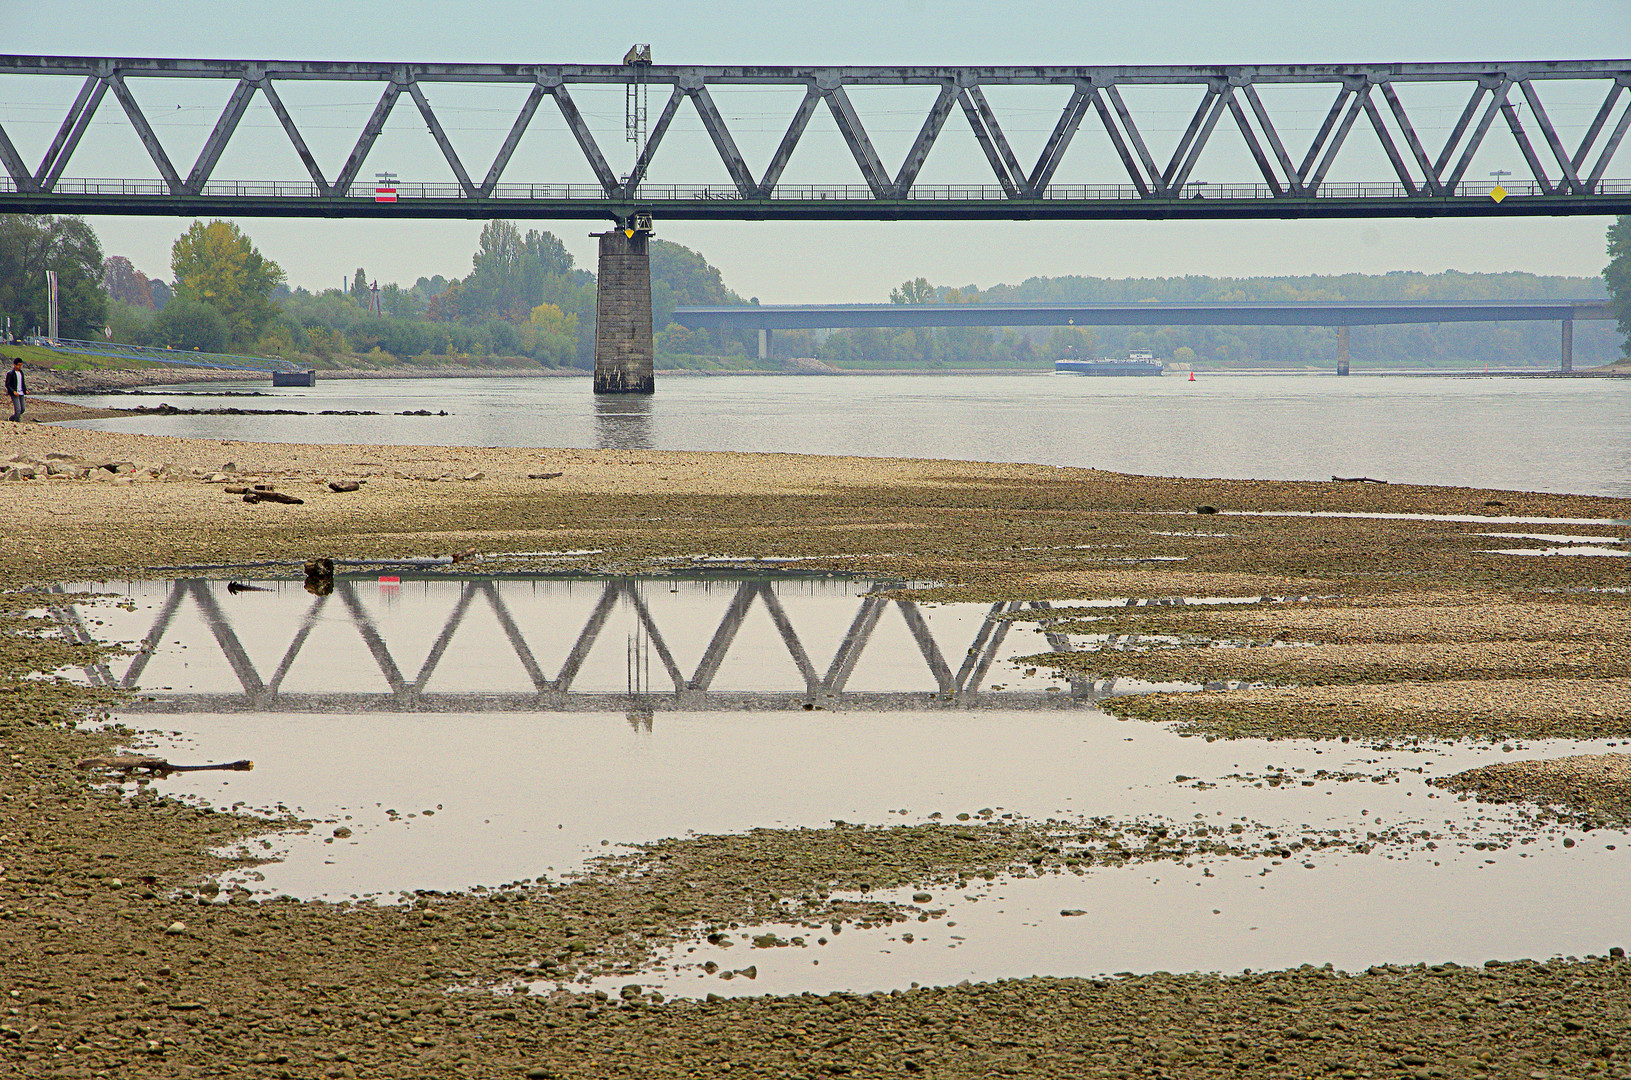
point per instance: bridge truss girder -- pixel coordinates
(1428, 180)
(410, 692)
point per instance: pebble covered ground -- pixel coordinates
(1595, 788)
(117, 958)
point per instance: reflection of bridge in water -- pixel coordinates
(825, 686)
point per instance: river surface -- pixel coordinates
(1557, 435)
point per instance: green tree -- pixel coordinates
(31, 244)
(1617, 275)
(916, 291)
(1071, 343)
(186, 323)
(359, 287)
(131, 323)
(551, 335)
(216, 264)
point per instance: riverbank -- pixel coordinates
(118, 959)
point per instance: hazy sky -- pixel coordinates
(816, 262)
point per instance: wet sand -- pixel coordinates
(115, 959)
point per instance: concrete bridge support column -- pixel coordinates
(764, 344)
(1568, 346)
(624, 358)
(1342, 350)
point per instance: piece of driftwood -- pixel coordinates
(157, 766)
(258, 496)
(544, 475)
(343, 485)
(236, 587)
(1357, 480)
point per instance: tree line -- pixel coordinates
(523, 297)
(1499, 344)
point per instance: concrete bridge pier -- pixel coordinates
(624, 355)
(1568, 346)
(1342, 350)
(764, 344)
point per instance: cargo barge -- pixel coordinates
(1138, 363)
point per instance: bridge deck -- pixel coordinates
(1429, 179)
(1244, 313)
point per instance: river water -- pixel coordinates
(1559, 435)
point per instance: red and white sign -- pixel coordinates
(385, 194)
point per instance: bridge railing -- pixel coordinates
(106, 187)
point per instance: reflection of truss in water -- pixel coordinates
(959, 688)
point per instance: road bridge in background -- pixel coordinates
(1339, 314)
(1503, 101)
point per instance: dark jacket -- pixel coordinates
(15, 383)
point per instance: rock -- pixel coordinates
(176, 928)
(319, 568)
(342, 832)
(1072, 911)
(539, 1073)
(631, 991)
(478, 475)
(544, 475)
(921, 898)
(229, 467)
(1205, 509)
(343, 485)
(236, 489)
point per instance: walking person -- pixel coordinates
(17, 389)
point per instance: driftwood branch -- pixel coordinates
(1357, 480)
(157, 766)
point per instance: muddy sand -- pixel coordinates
(117, 958)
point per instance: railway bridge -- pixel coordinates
(1563, 172)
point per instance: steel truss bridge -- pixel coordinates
(1428, 180)
(825, 687)
(1198, 313)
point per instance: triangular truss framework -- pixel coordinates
(1423, 171)
(410, 691)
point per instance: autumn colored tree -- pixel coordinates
(125, 283)
(216, 264)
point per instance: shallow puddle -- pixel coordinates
(1473, 519)
(1574, 549)
(1349, 910)
(449, 734)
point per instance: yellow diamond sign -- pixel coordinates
(1497, 193)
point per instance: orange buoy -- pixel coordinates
(1191, 376)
